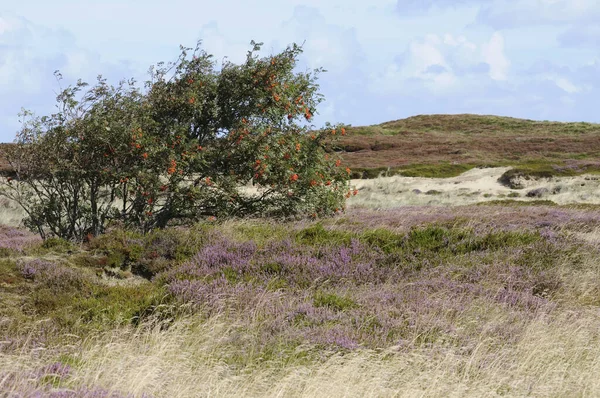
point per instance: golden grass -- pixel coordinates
(555, 357)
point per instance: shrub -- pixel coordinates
(180, 150)
(333, 301)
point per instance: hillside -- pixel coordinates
(464, 286)
(447, 145)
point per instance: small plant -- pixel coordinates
(58, 245)
(333, 301)
(317, 235)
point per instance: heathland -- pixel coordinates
(467, 265)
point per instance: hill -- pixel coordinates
(447, 145)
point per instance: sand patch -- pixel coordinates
(474, 186)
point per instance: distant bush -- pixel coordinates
(537, 193)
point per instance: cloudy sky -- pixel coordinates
(386, 60)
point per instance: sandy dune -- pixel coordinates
(474, 186)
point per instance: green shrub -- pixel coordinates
(121, 248)
(383, 238)
(333, 301)
(126, 155)
(317, 235)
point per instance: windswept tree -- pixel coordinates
(185, 147)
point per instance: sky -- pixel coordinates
(385, 59)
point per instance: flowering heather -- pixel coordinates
(376, 290)
(51, 274)
(472, 293)
(482, 218)
(16, 239)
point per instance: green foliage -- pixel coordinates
(145, 255)
(260, 232)
(272, 268)
(180, 150)
(440, 241)
(7, 252)
(383, 238)
(317, 235)
(58, 245)
(496, 241)
(122, 248)
(96, 306)
(8, 272)
(333, 301)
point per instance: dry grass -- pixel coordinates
(555, 357)
(505, 351)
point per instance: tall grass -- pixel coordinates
(555, 356)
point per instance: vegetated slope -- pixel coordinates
(447, 145)
(418, 301)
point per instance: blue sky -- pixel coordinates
(386, 60)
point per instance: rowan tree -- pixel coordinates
(185, 147)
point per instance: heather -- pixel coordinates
(469, 300)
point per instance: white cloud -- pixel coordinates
(511, 13)
(29, 55)
(493, 54)
(410, 56)
(566, 85)
(443, 65)
(7, 24)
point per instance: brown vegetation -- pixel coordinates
(467, 140)
(470, 140)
